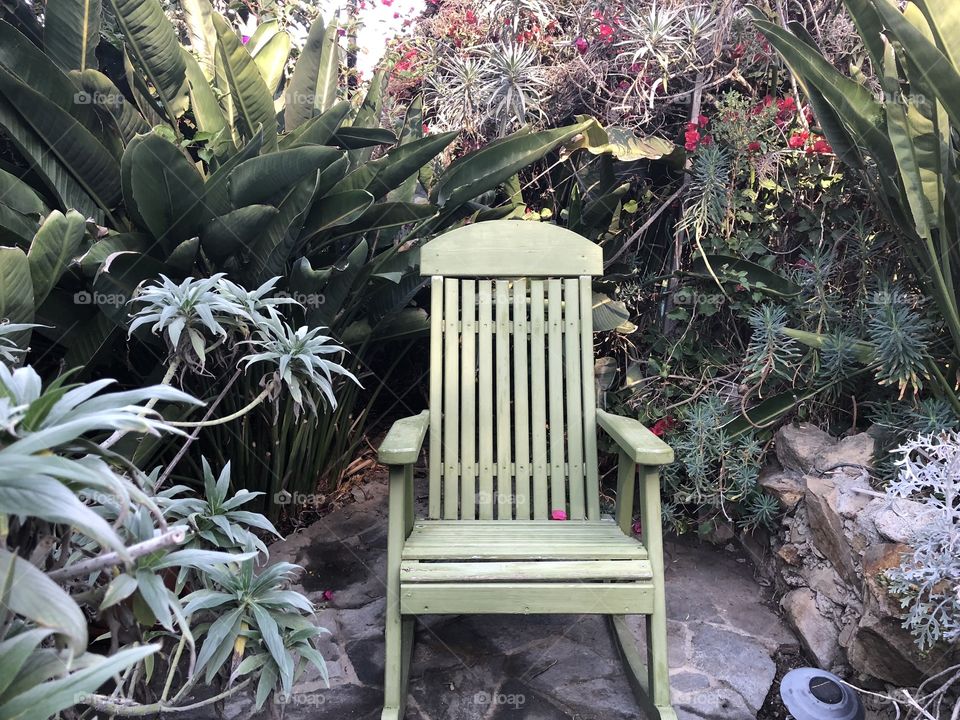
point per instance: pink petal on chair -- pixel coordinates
(558, 514)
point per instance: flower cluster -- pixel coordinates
(811, 143)
(695, 136)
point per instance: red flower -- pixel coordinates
(808, 115)
(327, 596)
(581, 44)
(691, 138)
(663, 425)
(787, 103)
(753, 146)
(702, 120)
(706, 140)
(738, 51)
(822, 146)
(425, 128)
(471, 17)
(605, 30)
(798, 139)
(692, 126)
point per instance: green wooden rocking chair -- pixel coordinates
(512, 425)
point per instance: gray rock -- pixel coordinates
(751, 675)
(899, 520)
(798, 447)
(715, 704)
(787, 486)
(817, 634)
(828, 501)
(851, 451)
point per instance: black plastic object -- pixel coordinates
(812, 694)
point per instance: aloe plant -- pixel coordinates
(903, 145)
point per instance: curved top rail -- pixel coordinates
(511, 248)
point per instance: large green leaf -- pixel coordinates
(198, 18)
(49, 698)
(152, 41)
(386, 215)
(411, 130)
(78, 169)
(167, 190)
(920, 180)
(270, 254)
(267, 178)
(16, 292)
(354, 138)
(206, 108)
(735, 270)
(126, 119)
(270, 48)
(318, 130)
(944, 19)
(488, 167)
(38, 598)
(380, 176)
(227, 235)
(939, 76)
(53, 249)
(252, 101)
(17, 195)
(71, 32)
(336, 209)
(216, 197)
(313, 87)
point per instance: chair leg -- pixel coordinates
(399, 649)
(650, 686)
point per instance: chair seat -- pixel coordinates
(522, 540)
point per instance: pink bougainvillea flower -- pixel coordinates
(822, 146)
(426, 128)
(558, 514)
(798, 139)
(327, 596)
(637, 528)
(702, 120)
(387, 3)
(605, 30)
(581, 44)
(706, 140)
(663, 425)
(471, 17)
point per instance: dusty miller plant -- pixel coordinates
(928, 580)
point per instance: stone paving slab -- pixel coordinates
(722, 638)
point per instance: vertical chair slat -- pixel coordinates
(592, 482)
(436, 383)
(571, 322)
(555, 391)
(521, 452)
(468, 388)
(485, 399)
(538, 401)
(504, 476)
(451, 399)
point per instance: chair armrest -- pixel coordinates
(635, 440)
(402, 444)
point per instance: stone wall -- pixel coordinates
(828, 558)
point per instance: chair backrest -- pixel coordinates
(512, 397)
